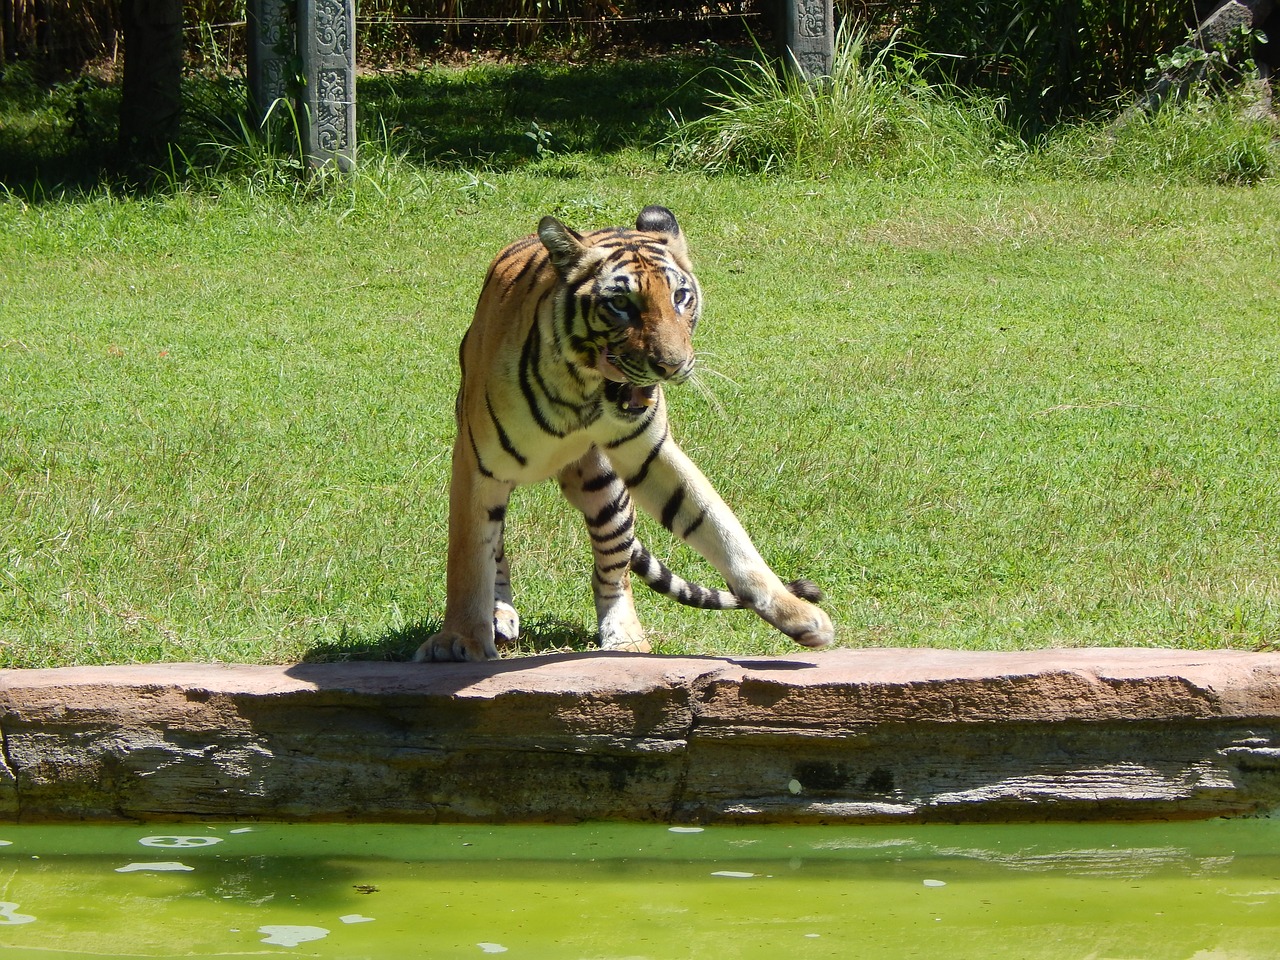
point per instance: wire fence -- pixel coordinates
(1043, 57)
(67, 34)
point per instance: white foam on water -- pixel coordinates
(290, 935)
(735, 874)
(935, 883)
(860, 843)
(6, 843)
(355, 918)
(241, 830)
(179, 842)
(10, 917)
(162, 866)
(492, 947)
(685, 829)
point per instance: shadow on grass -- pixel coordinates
(55, 139)
(544, 635)
(504, 116)
(61, 139)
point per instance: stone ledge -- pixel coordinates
(848, 735)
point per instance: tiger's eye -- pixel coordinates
(620, 301)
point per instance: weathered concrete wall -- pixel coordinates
(845, 735)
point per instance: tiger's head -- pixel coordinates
(631, 298)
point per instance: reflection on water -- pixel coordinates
(1197, 891)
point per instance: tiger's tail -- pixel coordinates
(660, 578)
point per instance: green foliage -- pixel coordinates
(1226, 63)
(1199, 121)
(1047, 59)
(878, 115)
(1203, 138)
(1190, 69)
(55, 135)
(542, 139)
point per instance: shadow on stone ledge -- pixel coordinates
(539, 636)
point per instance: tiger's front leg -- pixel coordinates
(591, 485)
(477, 509)
(668, 486)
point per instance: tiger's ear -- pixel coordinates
(660, 220)
(655, 219)
(564, 245)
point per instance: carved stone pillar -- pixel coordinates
(271, 46)
(326, 41)
(317, 39)
(809, 37)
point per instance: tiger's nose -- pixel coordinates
(672, 368)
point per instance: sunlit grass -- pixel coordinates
(989, 394)
(980, 416)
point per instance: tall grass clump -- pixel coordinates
(874, 112)
(1205, 117)
(1203, 139)
(229, 154)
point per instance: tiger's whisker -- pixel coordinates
(707, 393)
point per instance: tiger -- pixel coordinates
(574, 337)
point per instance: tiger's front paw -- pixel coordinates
(621, 630)
(818, 632)
(448, 645)
(800, 620)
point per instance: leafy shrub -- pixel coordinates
(1047, 59)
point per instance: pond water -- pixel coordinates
(1184, 891)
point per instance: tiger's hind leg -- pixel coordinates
(590, 484)
(506, 620)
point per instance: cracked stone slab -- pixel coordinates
(846, 735)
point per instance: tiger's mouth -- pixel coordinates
(630, 397)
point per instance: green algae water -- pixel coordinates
(1185, 891)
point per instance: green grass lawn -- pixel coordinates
(982, 411)
(981, 415)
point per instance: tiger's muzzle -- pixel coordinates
(633, 382)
